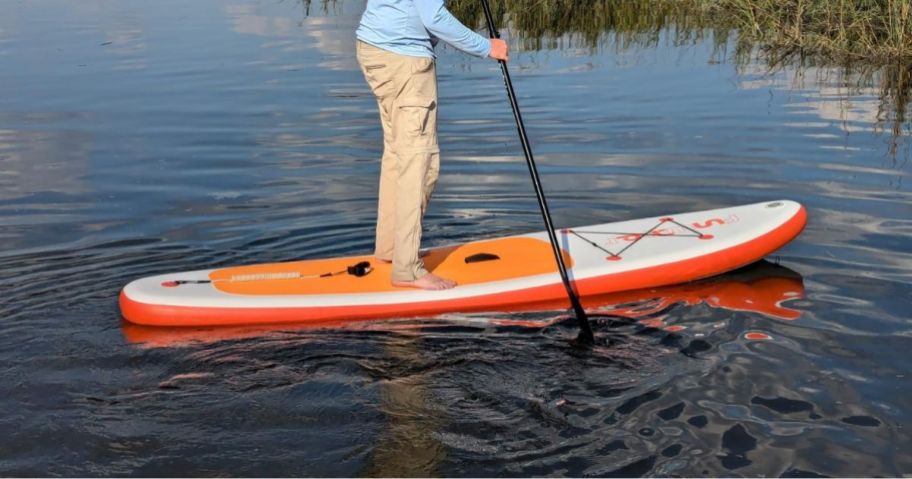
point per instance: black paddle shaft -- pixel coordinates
(585, 331)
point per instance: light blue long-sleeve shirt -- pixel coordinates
(412, 27)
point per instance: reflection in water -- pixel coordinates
(896, 101)
(248, 19)
(322, 30)
(42, 179)
(601, 24)
(596, 23)
(617, 26)
(852, 99)
(408, 446)
(761, 288)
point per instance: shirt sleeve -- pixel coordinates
(443, 25)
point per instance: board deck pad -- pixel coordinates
(492, 275)
(516, 257)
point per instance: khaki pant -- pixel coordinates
(406, 91)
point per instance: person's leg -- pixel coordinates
(386, 202)
(380, 69)
(406, 88)
(433, 170)
(389, 173)
(415, 133)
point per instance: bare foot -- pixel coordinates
(421, 254)
(428, 281)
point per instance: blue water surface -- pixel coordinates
(144, 137)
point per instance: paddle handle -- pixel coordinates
(583, 320)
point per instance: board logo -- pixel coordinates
(715, 222)
(676, 229)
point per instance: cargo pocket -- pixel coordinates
(414, 113)
(379, 81)
(421, 65)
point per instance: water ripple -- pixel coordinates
(124, 153)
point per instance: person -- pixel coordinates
(395, 50)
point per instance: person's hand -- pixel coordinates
(499, 50)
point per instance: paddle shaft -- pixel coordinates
(582, 318)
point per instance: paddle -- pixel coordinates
(585, 334)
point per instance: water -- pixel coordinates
(143, 137)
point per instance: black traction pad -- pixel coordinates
(479, 257)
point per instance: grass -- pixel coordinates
(549, 23)
(871, 31)
(878, 31)
(870, 40)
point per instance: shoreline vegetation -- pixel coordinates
(874, 31)
(867, 42)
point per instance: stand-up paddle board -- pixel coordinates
(492, 275)
(759, 288)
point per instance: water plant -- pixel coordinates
(870, 40)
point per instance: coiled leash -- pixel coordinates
(358, 270)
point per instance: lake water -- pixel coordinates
(146, 137)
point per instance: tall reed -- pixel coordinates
(877, 31)
(866, 38)
(840, 30)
